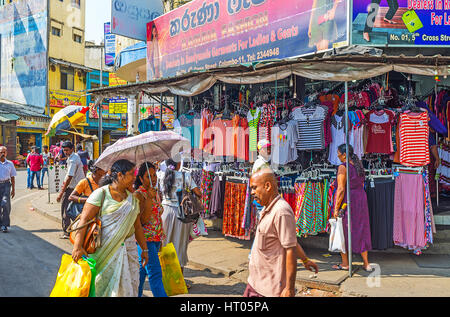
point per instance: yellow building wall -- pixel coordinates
(72, 19)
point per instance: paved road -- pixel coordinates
(31, 253)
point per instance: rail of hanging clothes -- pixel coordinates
(378, 130)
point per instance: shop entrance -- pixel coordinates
(26, 140)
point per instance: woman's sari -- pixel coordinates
(117, 258)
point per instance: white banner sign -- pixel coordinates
(56, 175)
(130, 17)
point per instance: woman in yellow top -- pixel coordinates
(87, 185)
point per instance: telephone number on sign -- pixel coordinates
(268, 53)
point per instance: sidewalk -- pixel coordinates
(400, 272)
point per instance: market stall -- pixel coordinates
(366, 113)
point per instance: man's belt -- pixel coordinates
(5, 181)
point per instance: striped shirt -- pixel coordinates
(414, 134)
(310, 127)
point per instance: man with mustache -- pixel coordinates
(7, 188)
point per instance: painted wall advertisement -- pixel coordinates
(23, 52)
(401, 22)
(110, 45)
(205, 34)
(130, 17)
(61, 98)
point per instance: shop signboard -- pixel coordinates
(408, 23)
(118, 105)
(130, 17)
(205, 34)
(110, 45)
(56, 175)
(23, 52)
(61, 99)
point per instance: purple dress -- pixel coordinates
(359, 209)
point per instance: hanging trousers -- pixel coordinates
(370, 21)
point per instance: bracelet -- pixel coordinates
(305, 261)
(79, 199)
(144, 250)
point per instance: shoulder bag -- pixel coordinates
(92, 239)
(74, 208)
(190, 206)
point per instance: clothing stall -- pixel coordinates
(354, 105)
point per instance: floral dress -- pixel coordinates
(153, 229)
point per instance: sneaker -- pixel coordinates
(64, 236)
(4, 229)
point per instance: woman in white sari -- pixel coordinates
(117, 261)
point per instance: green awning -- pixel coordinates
(4, 117)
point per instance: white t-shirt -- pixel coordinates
(284, 141)
(172, 199)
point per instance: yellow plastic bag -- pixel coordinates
(73, 280)
(172, 277)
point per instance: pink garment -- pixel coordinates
(409, 212)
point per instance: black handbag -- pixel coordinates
(190, 205)
(74, 208)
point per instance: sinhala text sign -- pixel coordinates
(401, 22)
(205, 34)
(130, 17)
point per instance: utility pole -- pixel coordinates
(100, 107)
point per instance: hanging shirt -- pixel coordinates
(150, 124)
(222, 137)
(253, 117)
(414, 132)
(379, 125)
(206, 119)
(268, 115)
(310, 127)
(338, 137)
(240, 138)
(188, 125)
(284, 142)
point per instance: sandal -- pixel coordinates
(339, 267)
(370, 269)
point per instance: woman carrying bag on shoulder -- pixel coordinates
(87, 186)
(175, 230)
(116, 258)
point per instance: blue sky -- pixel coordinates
(97, 13)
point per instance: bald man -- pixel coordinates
(7, 188)
(273, 260)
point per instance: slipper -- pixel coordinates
(339, 267)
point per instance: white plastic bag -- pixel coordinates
(337, 240)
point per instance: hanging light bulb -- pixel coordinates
(291, 82)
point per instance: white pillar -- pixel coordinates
(133, 116)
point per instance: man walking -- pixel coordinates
(84, 156)
(273, 260)
(74, 175)
(46, 156)
(35, 162)
(7, 188)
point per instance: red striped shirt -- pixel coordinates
(414, 132)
